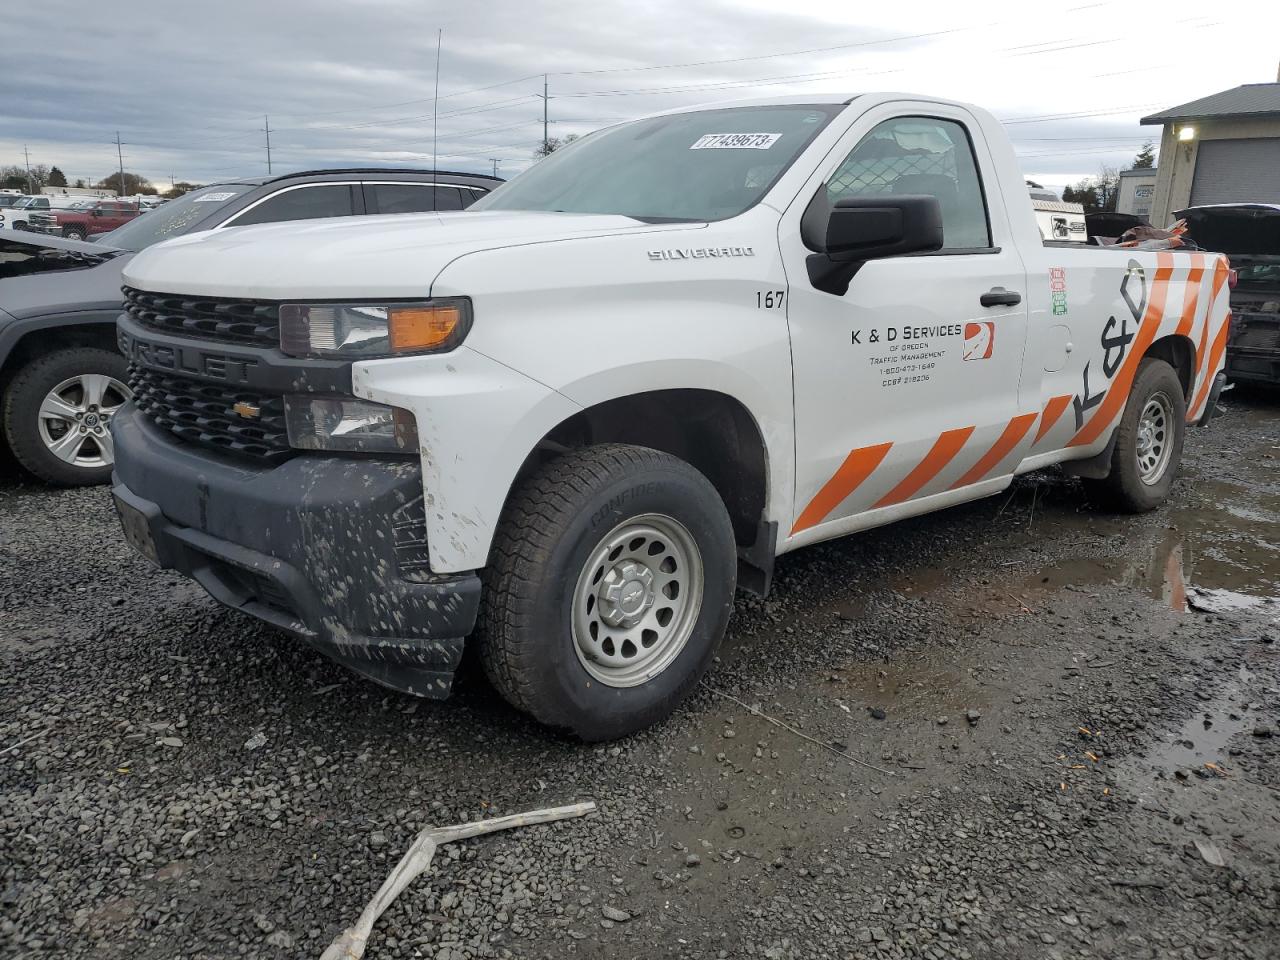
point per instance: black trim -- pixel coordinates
(233, 364)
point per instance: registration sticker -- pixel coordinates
(736, 141)
(215, 197)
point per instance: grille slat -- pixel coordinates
(201, 412)
(211, 318)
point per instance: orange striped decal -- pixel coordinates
(1220, 272)
(1052, 411)
(943, 452)
(1118, 392)
(1215, 356)
(1012, 436)
(857, 466)
(1194, 277)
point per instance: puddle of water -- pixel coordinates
(1196, 566)
(1203, 739)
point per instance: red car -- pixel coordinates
(79, 224)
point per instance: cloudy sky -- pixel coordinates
(351, 81)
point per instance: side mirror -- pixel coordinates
(872, 228)
(95, 212)
(858, 229)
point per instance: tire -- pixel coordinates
(1148, 446)
(81, 377)
(553, 573)
(74, 233)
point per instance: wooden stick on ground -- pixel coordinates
(350, 944)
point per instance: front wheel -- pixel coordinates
(1148, 447)
(609, 588)
(74, 233)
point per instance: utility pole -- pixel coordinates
(120, 157)
(546, 99)
(27, 156)
(494, 161)
(266, 127)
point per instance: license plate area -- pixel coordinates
(137, 530)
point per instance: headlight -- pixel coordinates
(335, 423)
(373, 330)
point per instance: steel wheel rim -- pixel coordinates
(637, 600)
(74, 419)
(1154, 446)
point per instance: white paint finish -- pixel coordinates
(598, 319)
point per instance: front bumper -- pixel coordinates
(332, 550)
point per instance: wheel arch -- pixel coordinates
(26, 340)
(1180, 353)
(713, 431)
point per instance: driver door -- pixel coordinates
(906, 387)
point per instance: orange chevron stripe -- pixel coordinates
(857, 466)
(1013, 434)
(1193, 295)
(1118, 392)
(1220, 273)
(1215, 357)
(1052, 411)
(940, 454)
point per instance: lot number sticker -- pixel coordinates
(736, 141)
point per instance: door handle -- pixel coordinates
(1000, 297)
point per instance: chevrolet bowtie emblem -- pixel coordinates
(246, 409)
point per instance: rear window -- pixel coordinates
(176, 217)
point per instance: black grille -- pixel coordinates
(204, 413)
(210, 318)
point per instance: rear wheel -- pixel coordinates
(58, 412)
(609, 589)
(1148, 446)
(74, 233)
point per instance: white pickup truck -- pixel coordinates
(572, 421)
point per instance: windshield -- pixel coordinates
(700, 166)
(175, 217)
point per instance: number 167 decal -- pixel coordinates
(769, 299)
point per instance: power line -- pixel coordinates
(774, 56)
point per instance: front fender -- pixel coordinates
(477, 421)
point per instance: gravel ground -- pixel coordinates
(1059, 732)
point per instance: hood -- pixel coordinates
(381, 256)
(26, 238)
(1236, 229)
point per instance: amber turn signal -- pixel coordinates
(423, 328)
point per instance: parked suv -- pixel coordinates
(61, 376)
(83, 221)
